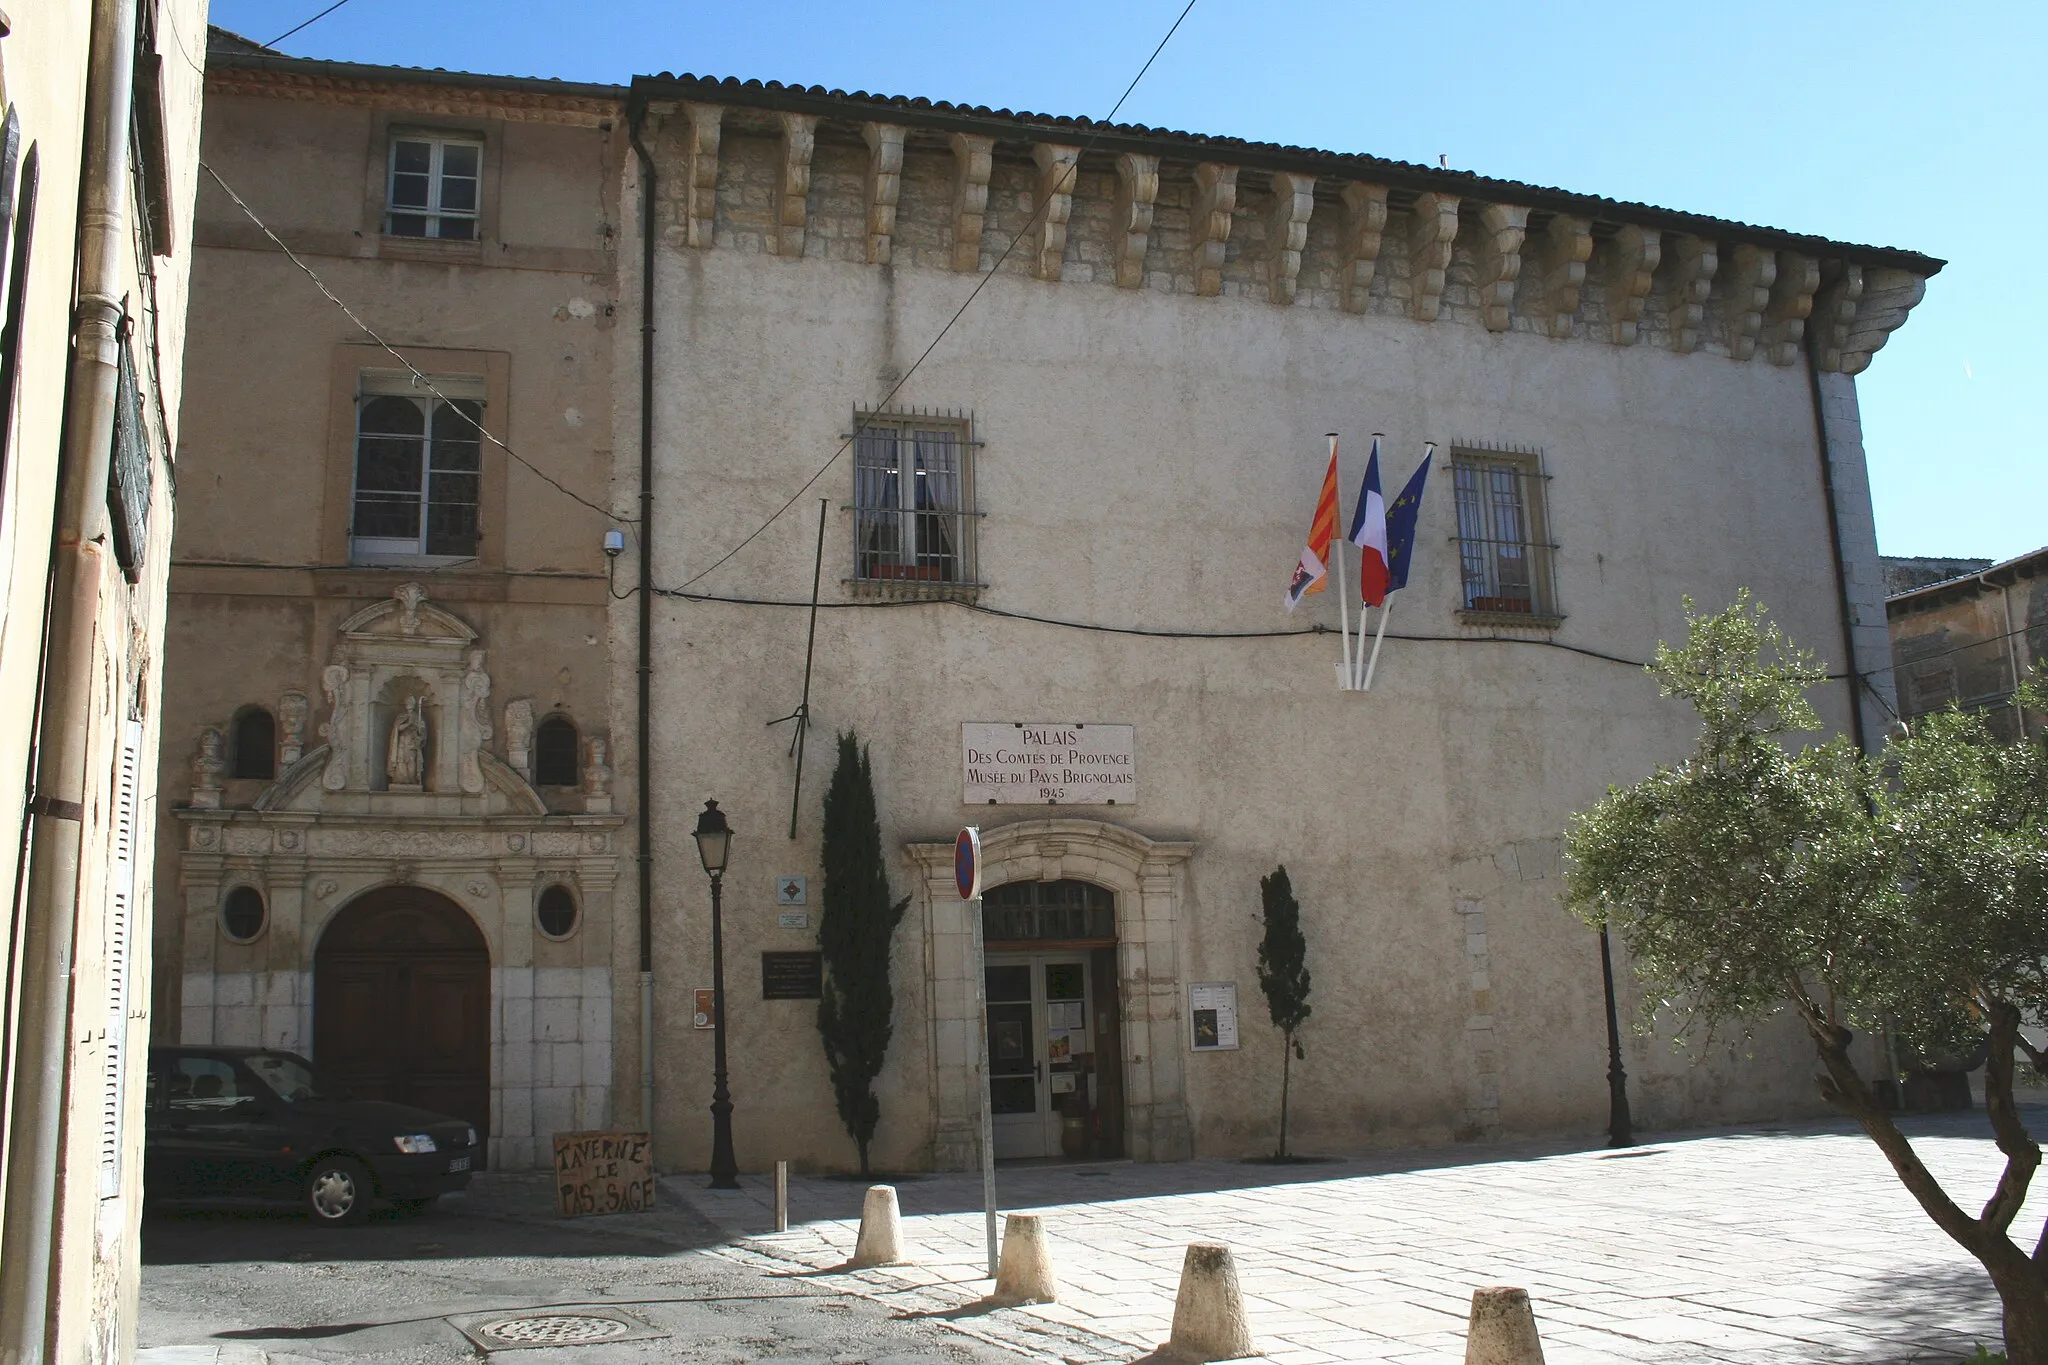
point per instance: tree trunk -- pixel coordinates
(1286, 1066)
(863, 1158)
(2023, 1294)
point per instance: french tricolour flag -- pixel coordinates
(1369, 533)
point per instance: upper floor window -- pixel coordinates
(255, 744)
(433, 187)
(418, 467)
(1504, 549)
(913, 499)
(556, 749)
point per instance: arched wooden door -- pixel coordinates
(402, 1004)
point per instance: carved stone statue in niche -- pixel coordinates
(292, 709)
(207, 768)
(519, 737)
(597, 777)
(334, 681)
(406, 761)
(475, 729)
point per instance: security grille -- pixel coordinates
(1504, 557)
(913, 499)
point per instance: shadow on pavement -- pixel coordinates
(502, 1214)
(1925, 1311)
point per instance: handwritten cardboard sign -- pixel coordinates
(603, 1173)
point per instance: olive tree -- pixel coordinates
(1906, 891)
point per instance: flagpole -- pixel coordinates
(1374, 661)
(1343, 599)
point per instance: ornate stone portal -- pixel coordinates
(405, 791)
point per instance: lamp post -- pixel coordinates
(1620, 1129)
(714, 842)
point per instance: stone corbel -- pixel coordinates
(700, 171)
(1888, 295)
(1790, 305)
(1834, 313)
(973, 159)
(1209, 223)
(793, 188)
(1631, 259)
(1358, 250)
(1693, 262)
(1137, 190)
(1751, 272)
(1502, 229)
(1294, 199)
(1432, 228)
(1058, 168)
(884, 186)
(1568, 246)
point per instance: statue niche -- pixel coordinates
(406, 719)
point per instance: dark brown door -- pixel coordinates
(402, 1004)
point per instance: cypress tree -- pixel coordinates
(855, 926)
(1283, 977)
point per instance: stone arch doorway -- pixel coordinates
(1055, 1037)
(402, 1004)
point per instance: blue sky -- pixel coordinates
(1904, 125)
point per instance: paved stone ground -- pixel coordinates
(1787, 1244)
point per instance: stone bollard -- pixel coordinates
(1025, 1275)
(1503, 1328)
(881, 1230)
(1208, 1314)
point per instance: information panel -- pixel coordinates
(792, 976)
(603, 1173)
(1049, 763)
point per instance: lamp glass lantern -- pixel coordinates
(714, 838)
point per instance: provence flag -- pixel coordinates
(1314, 564)
(1369, 533)
(1401, 524)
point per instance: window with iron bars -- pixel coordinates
(913, 499)
(1505, 557)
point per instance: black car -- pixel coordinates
(232, 1124)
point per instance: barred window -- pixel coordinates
(1504, 550)
(913, 499)
(418, 467)
(433, 185)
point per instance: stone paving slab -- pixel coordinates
(1794, 1243)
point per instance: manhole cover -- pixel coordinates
(502, 1331)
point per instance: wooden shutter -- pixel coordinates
(120, 932)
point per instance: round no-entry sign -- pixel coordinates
(967, 863)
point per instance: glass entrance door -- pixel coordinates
(1040, 1048)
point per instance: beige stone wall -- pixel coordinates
(43, 80)
(1150, 458)
(264, 579)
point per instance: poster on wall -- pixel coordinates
(1212, 1016)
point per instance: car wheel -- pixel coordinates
(413, 1208)
(337, 1192)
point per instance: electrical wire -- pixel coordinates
(308, 24)
(979, 285)
(418, 378)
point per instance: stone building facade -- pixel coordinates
(99, 133)
(1970, 637)
(1076, 513)
(391, 840)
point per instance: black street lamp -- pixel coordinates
(1620, 1129)
(714, 842)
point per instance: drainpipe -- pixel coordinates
(637, 112)
(1827, 484)
(80, 547)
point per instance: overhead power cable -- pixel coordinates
(308, 24)
(410, 368)
(979, 285)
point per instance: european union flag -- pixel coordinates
(1401, 525)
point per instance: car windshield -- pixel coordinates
(293, 1078)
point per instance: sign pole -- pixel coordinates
(967, 880)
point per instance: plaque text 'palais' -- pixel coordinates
(1028, 763)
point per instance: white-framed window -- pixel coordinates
(1504, 550)
(434, 186)
(913, 499)
(418, 467)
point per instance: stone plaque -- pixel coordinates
(792, 976)
(1052, 763)
(598, 1173)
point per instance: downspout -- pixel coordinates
(80, 547)
(636, 112)
(1827, 484)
